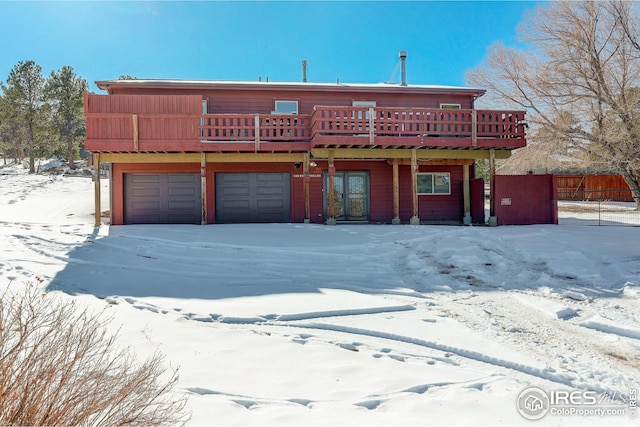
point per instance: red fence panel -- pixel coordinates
(526, 199)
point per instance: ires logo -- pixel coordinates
(576, 397)
(534, 403)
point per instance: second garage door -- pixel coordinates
(253, 197)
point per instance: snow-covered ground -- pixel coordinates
(377, 325)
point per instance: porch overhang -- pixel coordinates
(421, 154)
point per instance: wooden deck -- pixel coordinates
(112, 127)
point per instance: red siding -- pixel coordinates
(433, 208)
(445, 208)
(147, 104)
(261, 100)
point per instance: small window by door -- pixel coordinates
(434, 183)
(285, 107)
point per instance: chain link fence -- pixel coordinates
(600, 207)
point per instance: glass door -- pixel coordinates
(350, 195)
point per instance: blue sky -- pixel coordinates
(354, 41)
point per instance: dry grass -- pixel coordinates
(59, 366)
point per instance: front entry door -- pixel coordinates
(351, 196)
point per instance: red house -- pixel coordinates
(207, 152)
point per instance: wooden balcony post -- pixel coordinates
(396, 194)
(474, 128)
(257, 129)
(331, 197)
(493, 221)
(203, 187)
(306, 180)
(134, 118)
(372, 129)
(415, 220)
(466, 195)
(96, 167)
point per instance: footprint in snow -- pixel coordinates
(248, 404)
(303, 402)
(202, 391)
(370, 404)
(349, 346)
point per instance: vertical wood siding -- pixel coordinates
(144, 104)
(526, 199)
(434, 207)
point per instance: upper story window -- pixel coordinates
(363, 103)
(285, 107)
(449, 106)
(370, 104)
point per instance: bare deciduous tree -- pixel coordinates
(59, 366)
(579, 80)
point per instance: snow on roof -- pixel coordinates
(104, 85)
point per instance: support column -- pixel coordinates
(493, 220)
(331, 197)
(396, 194)
(466, 195)
(306, 180)
(96, 166)
(415, 220)
(203, 187)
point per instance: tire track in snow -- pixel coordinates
(546, 374)
(577, 352)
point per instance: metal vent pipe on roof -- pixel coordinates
(304, 70)
(403, 67)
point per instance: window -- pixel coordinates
(369, 104)
(449, 106)
(363, 103)
(434, 183)
(286, 107)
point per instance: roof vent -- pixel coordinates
(403, 67)
(304, 70)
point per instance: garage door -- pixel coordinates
(253, 197)
(162, 198)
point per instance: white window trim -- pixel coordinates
(363, 103)
(433, 186)
(449, 106)
(290, 101)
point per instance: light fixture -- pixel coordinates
(313, 164)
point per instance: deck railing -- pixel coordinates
(326, 125)
(254, 127)
(417, 122)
